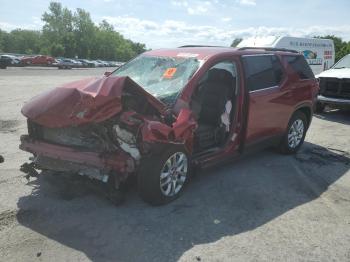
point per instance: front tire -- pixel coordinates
(162, 178)
(295, 134)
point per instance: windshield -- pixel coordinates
(343, 63)
(163, 77)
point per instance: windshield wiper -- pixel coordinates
(340, 67)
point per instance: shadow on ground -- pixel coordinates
(334, 115)
(218, 203)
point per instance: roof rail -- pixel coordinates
(198, 46)
(269, 49)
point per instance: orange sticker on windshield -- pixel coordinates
(169, 73)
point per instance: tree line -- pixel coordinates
(341, 47)
(67, 33)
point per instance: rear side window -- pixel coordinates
(262, 71)
(300, 66)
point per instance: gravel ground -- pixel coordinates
(264, 207)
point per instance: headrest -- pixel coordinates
(219, 75)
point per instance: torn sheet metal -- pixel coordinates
(91, 100)
(181, 131)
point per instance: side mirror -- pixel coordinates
(107, 73)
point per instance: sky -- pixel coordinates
(162, 23)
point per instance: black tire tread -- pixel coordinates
(148, 176)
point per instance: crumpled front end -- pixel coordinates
(86, 150)
(99, 128)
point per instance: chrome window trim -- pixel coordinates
(259, 55)
(262, 89)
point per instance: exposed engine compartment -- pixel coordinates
(104, 136)
(132, 100)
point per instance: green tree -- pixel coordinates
(56, 50)
(236, 42)
(22, 41)
(70, 34)
(3, 35)
(84, 32)
(58, 28)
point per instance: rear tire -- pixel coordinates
(162, 178)
(295, 134)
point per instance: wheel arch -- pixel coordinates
(306, 109)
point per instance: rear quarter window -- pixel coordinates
(262, 71)
(300, 66)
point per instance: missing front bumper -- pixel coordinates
(67, 159)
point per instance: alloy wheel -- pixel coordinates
(295, 133)
(173, 174)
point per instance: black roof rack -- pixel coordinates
(269, 49)
(199, 46)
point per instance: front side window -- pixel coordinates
(163, 77)
(228, 66)
(262, 71)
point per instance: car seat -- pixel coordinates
(212, 96)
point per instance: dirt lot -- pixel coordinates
(265, 207)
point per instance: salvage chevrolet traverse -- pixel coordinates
(168, 110)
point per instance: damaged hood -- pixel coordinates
(86, 101)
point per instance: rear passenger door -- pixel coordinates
(268, 97)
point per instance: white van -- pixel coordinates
(319, 53)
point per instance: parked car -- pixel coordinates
(98, 63)
(10, 60)
(5, 61)
(38, 60)
(118, 64)
(68, 63)
(112, 64)
(86, 63)
(335, 86)
(65, 63)
(77, 63)
(102, 63)
(169, 110)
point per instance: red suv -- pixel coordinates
(169, 110)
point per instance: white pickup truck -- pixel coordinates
(335, 86)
